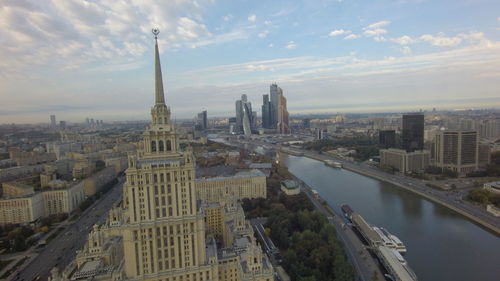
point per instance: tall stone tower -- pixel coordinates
(164, 231)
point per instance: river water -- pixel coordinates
(442, 245)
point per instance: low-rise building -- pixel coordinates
(290, 187)
(63, 200)
(21, 210)
(23, 158)
(95, 182)
(15, 189)
(250, 185)
(120, 163)
(492, 186)
(403, 161)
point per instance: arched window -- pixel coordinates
(160, 146)
(169, 145)
(153, 146)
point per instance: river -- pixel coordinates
(442, 245)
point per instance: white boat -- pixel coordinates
(333, 164)
(389, 240)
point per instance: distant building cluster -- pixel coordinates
(458, 145)
(274, 115)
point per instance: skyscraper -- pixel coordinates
(413, 132)
(278, 110)
(275, 91)
(53, 121)
(282, 126)
(202, 120)
(165, 234)
(244, 116)
(266, 112)
(160, 231)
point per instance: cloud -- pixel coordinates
(351, 36)
(378, 25)
(338, 32)
(61, 34)
(270, 45)
(406, 50)
(291, 45)
(268, 22)
(404, 40)
(227, 17)
(263, 34)
(252, 18)
(374, 32)
(221, 38)
(441, 41)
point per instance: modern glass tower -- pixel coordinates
(413, 132)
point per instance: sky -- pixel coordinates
(94, 58)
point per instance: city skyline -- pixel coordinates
(74, 58)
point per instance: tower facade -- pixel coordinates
(164, 237)
(266, 112)
(413, 132)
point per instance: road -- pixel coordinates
(62, 249)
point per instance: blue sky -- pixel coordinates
(94, 58)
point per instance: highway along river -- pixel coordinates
(442, 245)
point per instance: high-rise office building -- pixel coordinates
(53, 121)
(413, 132)
(282, 126)
(202, 120)
(278, 117)
(457, 151)
(387, 138)
(266, 112)
(244, 116)
(275, 92)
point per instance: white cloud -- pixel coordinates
(378, 25)
(270, 45)
(227, 17)
(406, 50)
(263, 34)
(62, 34)
(441, 41)
(338, 32)
(351, 36)
(268, 22)
(252, 18)
(291, 45)
(404, 40)
(374, 32)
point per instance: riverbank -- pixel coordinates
(471, 217)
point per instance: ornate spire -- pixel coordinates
(159, 95)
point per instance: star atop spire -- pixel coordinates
(159, 95)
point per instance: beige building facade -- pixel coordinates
(21, 210)
(63, 200)
(403, 161)
(250, 185)
(457, 151)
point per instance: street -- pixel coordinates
(62, 249)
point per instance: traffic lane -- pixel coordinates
(48, 258)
